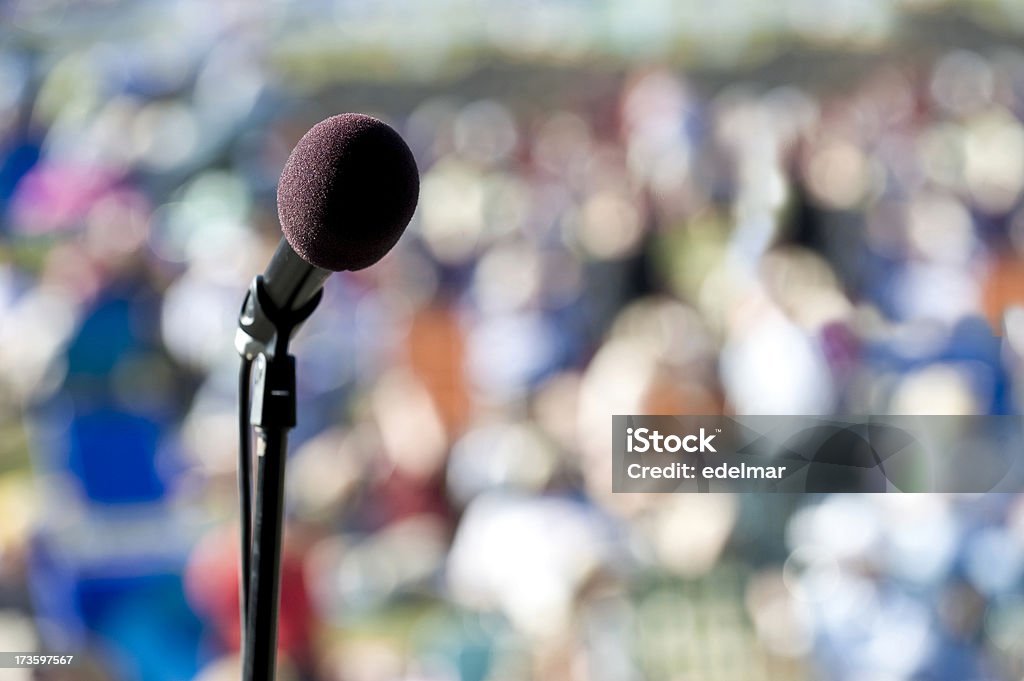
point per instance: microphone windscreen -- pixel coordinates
(347, 192)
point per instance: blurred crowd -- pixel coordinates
(630, 240)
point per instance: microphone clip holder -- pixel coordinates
(264, 328)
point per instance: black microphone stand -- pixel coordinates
(268, 377)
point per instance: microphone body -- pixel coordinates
(288, 284)
(289, 280)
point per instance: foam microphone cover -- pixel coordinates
(347, 192)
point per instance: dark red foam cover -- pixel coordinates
(347, 192)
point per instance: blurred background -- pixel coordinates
(744, 207)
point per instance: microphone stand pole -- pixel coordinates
(262, 340)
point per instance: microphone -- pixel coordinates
(346, 195)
